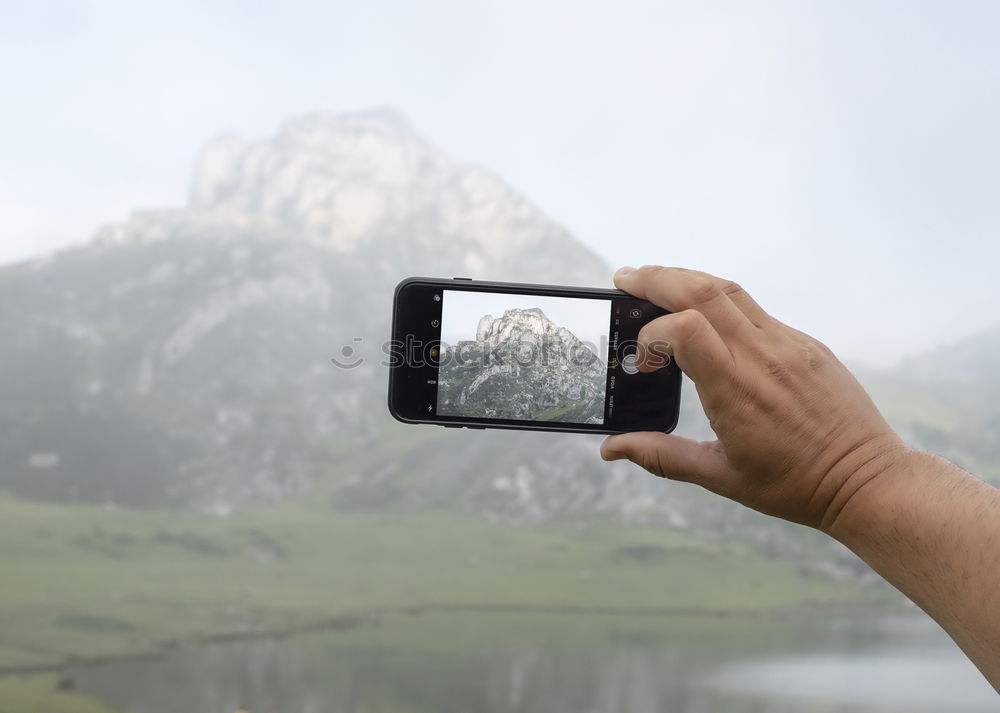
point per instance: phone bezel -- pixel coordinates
(672, 374)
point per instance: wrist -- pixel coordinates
(863, 478)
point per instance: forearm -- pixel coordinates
(933, 531)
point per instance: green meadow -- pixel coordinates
(84, 583)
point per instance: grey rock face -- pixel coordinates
(523, 366)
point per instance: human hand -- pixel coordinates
(798, 436)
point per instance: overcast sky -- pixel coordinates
(838, 158)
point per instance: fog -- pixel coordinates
(838, 158)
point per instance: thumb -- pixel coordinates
(668, 456)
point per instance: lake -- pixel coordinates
(522, 662)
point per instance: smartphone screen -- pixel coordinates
(526, 356)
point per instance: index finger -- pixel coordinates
(677, 289)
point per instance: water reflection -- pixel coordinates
(499, 663)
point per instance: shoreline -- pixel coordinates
(375, 617)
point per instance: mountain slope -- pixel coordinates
(183, 357)
(948, 401)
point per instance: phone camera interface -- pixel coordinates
(523, 357)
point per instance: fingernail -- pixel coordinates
(622, 271)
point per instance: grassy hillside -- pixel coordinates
(81, 582)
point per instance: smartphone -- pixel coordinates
(474, 354)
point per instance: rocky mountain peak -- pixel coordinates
(519, 321)
(514, 323)
(365, 184)
(521, 330)
(330, 172)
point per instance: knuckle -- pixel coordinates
(653, 462)
(732, 289)
(701, 290)
(811, 357)
(785, 362)
(775, 366)
(821, 351)
(654, 276)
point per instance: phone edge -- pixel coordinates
(444, 281)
